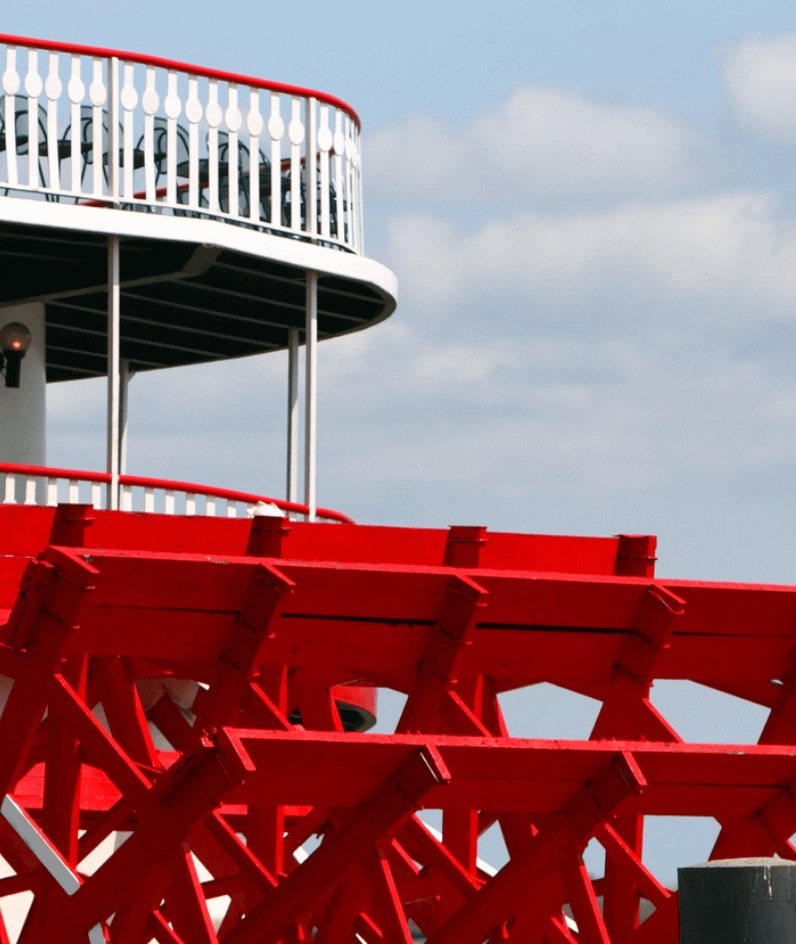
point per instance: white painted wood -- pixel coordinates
(295, 133)
(52, 492)
(54, 89)
(168, 503)
(39, 845)
(10, 88)
(190, 503)
(128, 99)
(254, 125)
(325, 141)
(311, 166)
(97, 96)
(210, 507)
(114, 143)
(126, 502)
(125, 376)
(74, 491)
(311, 391)
(232, 509)
(149, 102)
(173, 107)
(113, 371)
(233, 121)
(292, 413)
(276, 130)
(213, 116)
(149, 500)
(96, 494)
(76, 91)
(30, 490)
(33, 88)
(339, 148)
(194, 113)
(10, 490)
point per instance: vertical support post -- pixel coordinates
(114, 188)
(125, 376)
(292, 413)
(113, 372)
(311, 167)
(311, 392)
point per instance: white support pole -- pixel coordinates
(311, 395)
(292, 413)
(113, 372)
(125, 376)
(113, 129)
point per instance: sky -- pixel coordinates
(591, 211)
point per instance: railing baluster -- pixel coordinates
(11, 87)
(33, 88)
(149, 102)
(276, 129)
(168, 502)
(114, 144)
(172, 106)
(210, 507)
(325, 142)
(149, 500)
(359, 245)
(339, 149)
(52, 491)
(127, 498)
(53, 87)
(190, 503)
(233, 119)
(128, 98)
(30, 490)
(96, 494)
(311, 167)
(74, 491)
(193, 112)
(76, 90)
(97, 95)
(213, 116)
(295, 132)
(349, 184)
(232, 509)
(10, 492)
(254, 125)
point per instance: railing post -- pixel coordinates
(311, 168)
(113, 130)
(292, 413)
(311, 394)
(113, 372)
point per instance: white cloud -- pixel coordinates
(538, 142)
(761, 79)
(729, 254)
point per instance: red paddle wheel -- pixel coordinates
(234, 641)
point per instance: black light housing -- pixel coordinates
(14, 342)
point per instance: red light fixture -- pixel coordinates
(14, 342)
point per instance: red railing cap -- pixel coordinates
(100, 51)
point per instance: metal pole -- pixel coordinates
(113, 372)
(125, 375)
(292, 413)
(311, 394)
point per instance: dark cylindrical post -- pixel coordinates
(738, 901)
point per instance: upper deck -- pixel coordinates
(205, 176)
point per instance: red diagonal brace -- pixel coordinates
(378, 817)
(562, 835)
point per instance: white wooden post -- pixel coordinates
(113, 372)
(292, 413)
(311, 394)
(113, 130)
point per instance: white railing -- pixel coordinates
(107, 128)
(42, 485)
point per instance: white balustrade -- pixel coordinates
(145, 135)
(150, 498)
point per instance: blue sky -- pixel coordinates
(591, 211)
